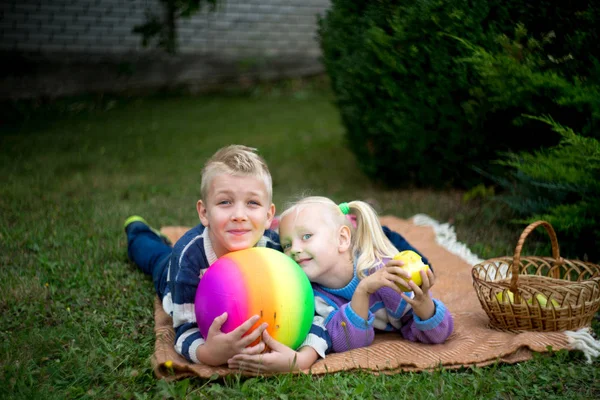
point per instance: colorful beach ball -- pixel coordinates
(257, 281)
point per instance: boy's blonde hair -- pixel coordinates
(368, 241)
(236, 160)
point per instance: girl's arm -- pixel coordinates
(433, 330)
(418, 316)
(348, 330)
(279, 358)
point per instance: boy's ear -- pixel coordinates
(270, 216)
(344, 239)
(202, 213)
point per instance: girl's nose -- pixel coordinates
(295, 249)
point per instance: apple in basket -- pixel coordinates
(413, 263)
(541, 299)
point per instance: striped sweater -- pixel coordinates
(192, 255)
(346, 330)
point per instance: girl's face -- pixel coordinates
(315, 243)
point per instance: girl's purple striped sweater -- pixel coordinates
(346, 330)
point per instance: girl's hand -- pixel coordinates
(279, 358)
(421, 302)
(389, 275)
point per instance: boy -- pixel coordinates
(235, 212)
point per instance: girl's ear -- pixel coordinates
(344, 239)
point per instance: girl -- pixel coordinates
(354, 277)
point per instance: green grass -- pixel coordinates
(76, 316)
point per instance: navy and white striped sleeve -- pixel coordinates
(187, 261)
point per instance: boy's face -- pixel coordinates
(237, 210)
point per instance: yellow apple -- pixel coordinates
(413, 263)
(510, 297)
(543, 300)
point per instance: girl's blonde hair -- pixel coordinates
(368, 241)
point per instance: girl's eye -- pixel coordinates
(286, 246)
(306, 236)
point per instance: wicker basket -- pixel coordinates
(537, 293)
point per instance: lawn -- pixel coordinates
(76, 316)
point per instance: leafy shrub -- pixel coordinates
(520, 78)
(561, 185)
(411, 98)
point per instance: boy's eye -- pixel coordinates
(306, 236)
(224, 202)
(254, 203)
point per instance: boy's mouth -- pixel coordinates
(238, 232)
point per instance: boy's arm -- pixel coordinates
(220, 347)
(217, 347)
(186, 263)
(183, 282)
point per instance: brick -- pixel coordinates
(255, 27)
(27, 46)
(20, 7)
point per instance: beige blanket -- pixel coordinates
(472, 342)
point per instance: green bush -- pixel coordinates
(522, 77)
(410, 96)
(561, 185)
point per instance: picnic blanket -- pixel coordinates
(473, 343)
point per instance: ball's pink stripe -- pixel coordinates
(231, 284)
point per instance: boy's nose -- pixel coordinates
(239, 214)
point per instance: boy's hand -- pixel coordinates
(279, 358)
(421, 302)
(220, 347)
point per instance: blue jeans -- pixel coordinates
(150, 253)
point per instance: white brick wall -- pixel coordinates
(64, 47)
(248, 27)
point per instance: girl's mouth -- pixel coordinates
(303, 261)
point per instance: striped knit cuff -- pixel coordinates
(435, 320)
(358, 321)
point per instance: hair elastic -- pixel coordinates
(344, 208)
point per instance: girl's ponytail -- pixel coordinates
(369, 241)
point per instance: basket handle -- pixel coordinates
(517, 256)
